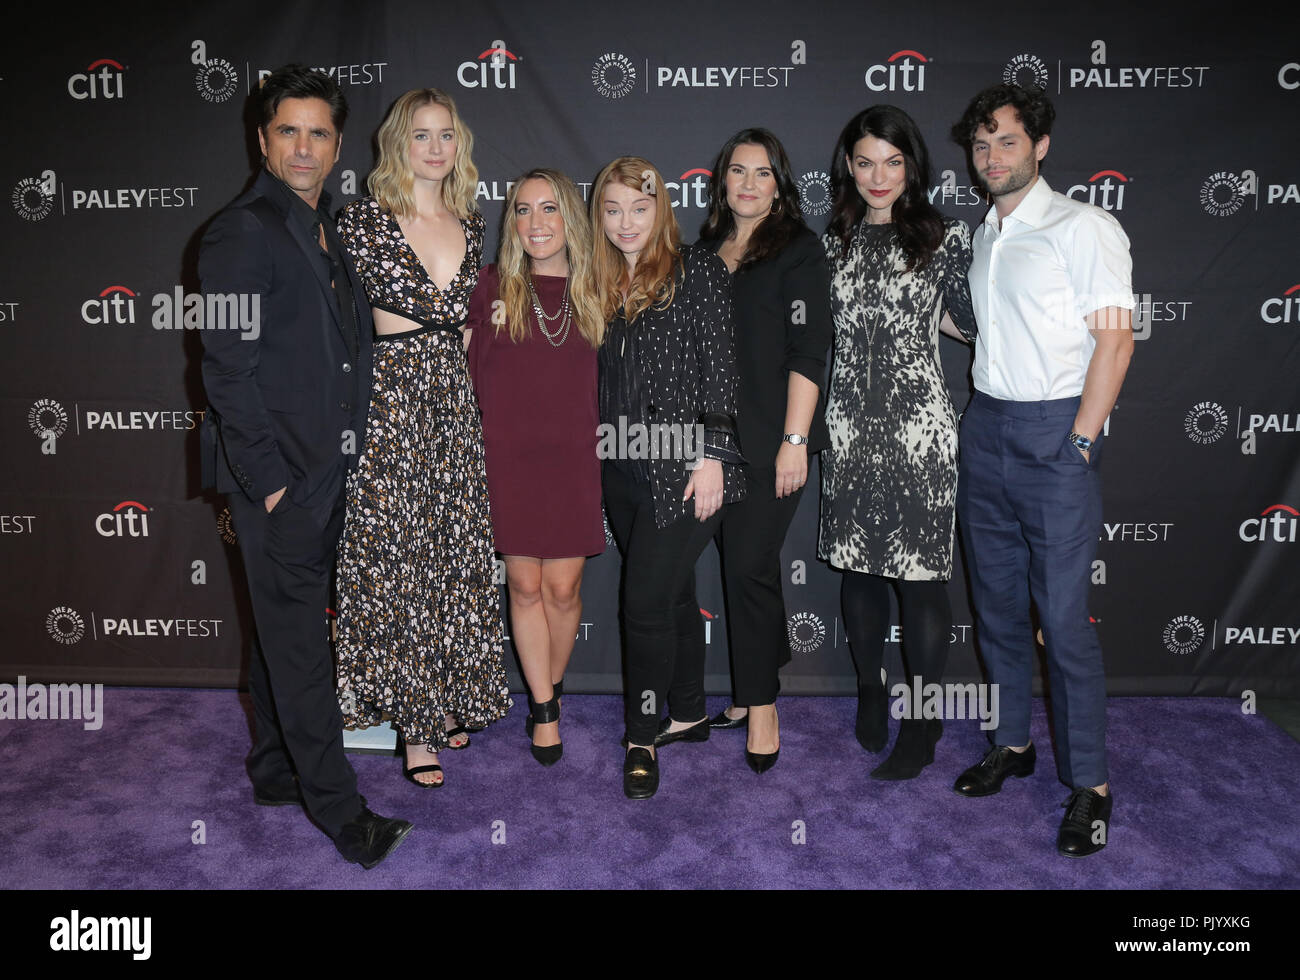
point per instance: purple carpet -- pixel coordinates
(1205, 798)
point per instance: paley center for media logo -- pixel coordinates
(1224, 193)
(1026, 70)
(807, 632)
(1187, 634)
(494, 68)
(49, 421)
(216, 79)
(33, 197)
(614, 75)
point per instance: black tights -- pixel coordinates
(926, 620)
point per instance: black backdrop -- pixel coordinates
(127, 130)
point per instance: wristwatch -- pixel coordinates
(1082, 443)
(794, 439)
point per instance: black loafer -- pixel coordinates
(640, 774)
(699, 732)
(288, 794)
(1086, 823)
(721, 721)
(369, 838)
(986, 777)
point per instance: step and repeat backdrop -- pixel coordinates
(128, 129)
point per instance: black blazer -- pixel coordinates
(287, 409)
(686, 367)
(775, 337)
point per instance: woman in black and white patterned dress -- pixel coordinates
(889, 480)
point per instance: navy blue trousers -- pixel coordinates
(1029, 507)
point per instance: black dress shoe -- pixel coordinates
(721, 720)
(871, 727)
(985, 778)
(543, 714)
(699, 732)
(1086, 823)
(640, 774)
(913, 751)
(761, 762)
(288, 794)
(368, 838)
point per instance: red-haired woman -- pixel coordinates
(667, 382)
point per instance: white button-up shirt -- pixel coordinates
(1035, 275)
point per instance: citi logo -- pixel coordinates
(116, 304)
(102, 79)
(903, 70)
(691, 189)
(708, 624)
(494, 68)
(129, 519)
(1276, 524)
(1105, 189)
(1282, 309)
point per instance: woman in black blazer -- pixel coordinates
(667, 406)
(781, 300)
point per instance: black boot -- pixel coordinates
(872, 726)
(913, 751)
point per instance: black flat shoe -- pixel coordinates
(871, 727)
(761, 762)
(640, 774)
(913, 751)
(721, 721)
(699, 732)
(368, 838)
(1086, 823)
(986, 777)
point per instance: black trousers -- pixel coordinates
(289, 562)
(661, 616)
(749, 542)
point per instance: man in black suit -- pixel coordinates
(288, 402)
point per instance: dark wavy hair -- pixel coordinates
(775, 231)
(300, 82)
(1033, 109)
(917, 222)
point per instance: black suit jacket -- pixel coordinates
(775, 337)
(287, 409)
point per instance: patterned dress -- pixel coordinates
(889, 479)
(419, 616)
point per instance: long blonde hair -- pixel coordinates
(514, 264)
(655, 281)
(392, 182)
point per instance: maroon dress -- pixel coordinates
(539, 429)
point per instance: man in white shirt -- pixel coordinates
(1051, 281)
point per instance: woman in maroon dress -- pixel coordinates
(534, 326)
